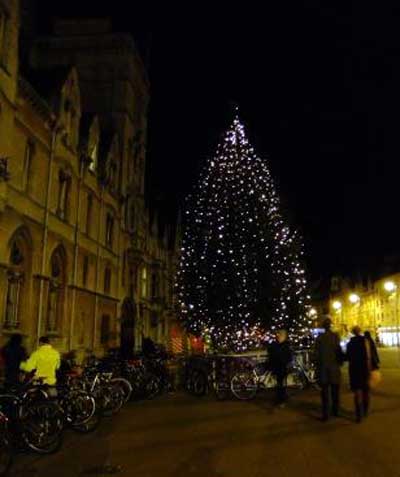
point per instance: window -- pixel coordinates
(107, 280)
(132, 282)
(154, 285)
(14, 284)
(132, 217)
(4, 37)
(16, 280)
(85, 271)
(55, 302)
(64, 182)
(89, 209)
(113, 175)
(144, 282)
(105, 329)
(93, 157)
(109, 230)
(28, 153)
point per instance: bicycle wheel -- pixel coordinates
(222, 390)
(88, 426)
(125, 387)
(113, 399)
(244, 386)
(199, 383)
(152, 386)
(79, 407)
(41, 426)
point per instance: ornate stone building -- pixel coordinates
(79, 258)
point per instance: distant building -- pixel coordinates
(373, 305)
(80, 259)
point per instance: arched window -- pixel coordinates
(107, 280)
(64, 185)
(109, 230)
(56, 295)
(93, 153)
(17, 277)
(144, 282)
(89, 214)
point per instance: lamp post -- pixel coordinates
(390, 287)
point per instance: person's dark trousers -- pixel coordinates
(281, 393)
(361, 403)
(330, 399)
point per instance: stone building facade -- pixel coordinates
(80, 259)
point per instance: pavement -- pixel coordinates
(183, 436)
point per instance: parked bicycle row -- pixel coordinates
(55, 394)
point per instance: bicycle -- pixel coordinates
(246, 383)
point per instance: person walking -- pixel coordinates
(13, 355)
(361, 362)
(375, 361)
(280, 355)
(45, 361)
(329, 359)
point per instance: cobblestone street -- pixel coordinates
(178, 435)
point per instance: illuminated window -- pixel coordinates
(144, 282)
(93, 156)
(89, 210)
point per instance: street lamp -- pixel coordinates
(390, 287)
(337, 305)
(354, 298)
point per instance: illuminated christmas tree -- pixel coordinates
(241, 276)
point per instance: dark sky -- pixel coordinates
(318, 88)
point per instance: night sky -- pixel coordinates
(319, 90)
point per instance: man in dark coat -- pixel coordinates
(279, 356)
(13, 354)
(329, 359)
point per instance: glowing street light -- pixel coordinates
(337, 305)
(389, 286)
(354, 298)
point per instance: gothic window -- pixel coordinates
(113, 175)
(55, 301)
(64, 184)
(4, 36)
(28, 153)
(105, 329)
(124, 258)
(154, 285)
(93, 153)
(109, 230)
(85, 271)
(89, 210)
(107, 281)
(16, 276)
(132, 217)
(132, 282)
(144, 282)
